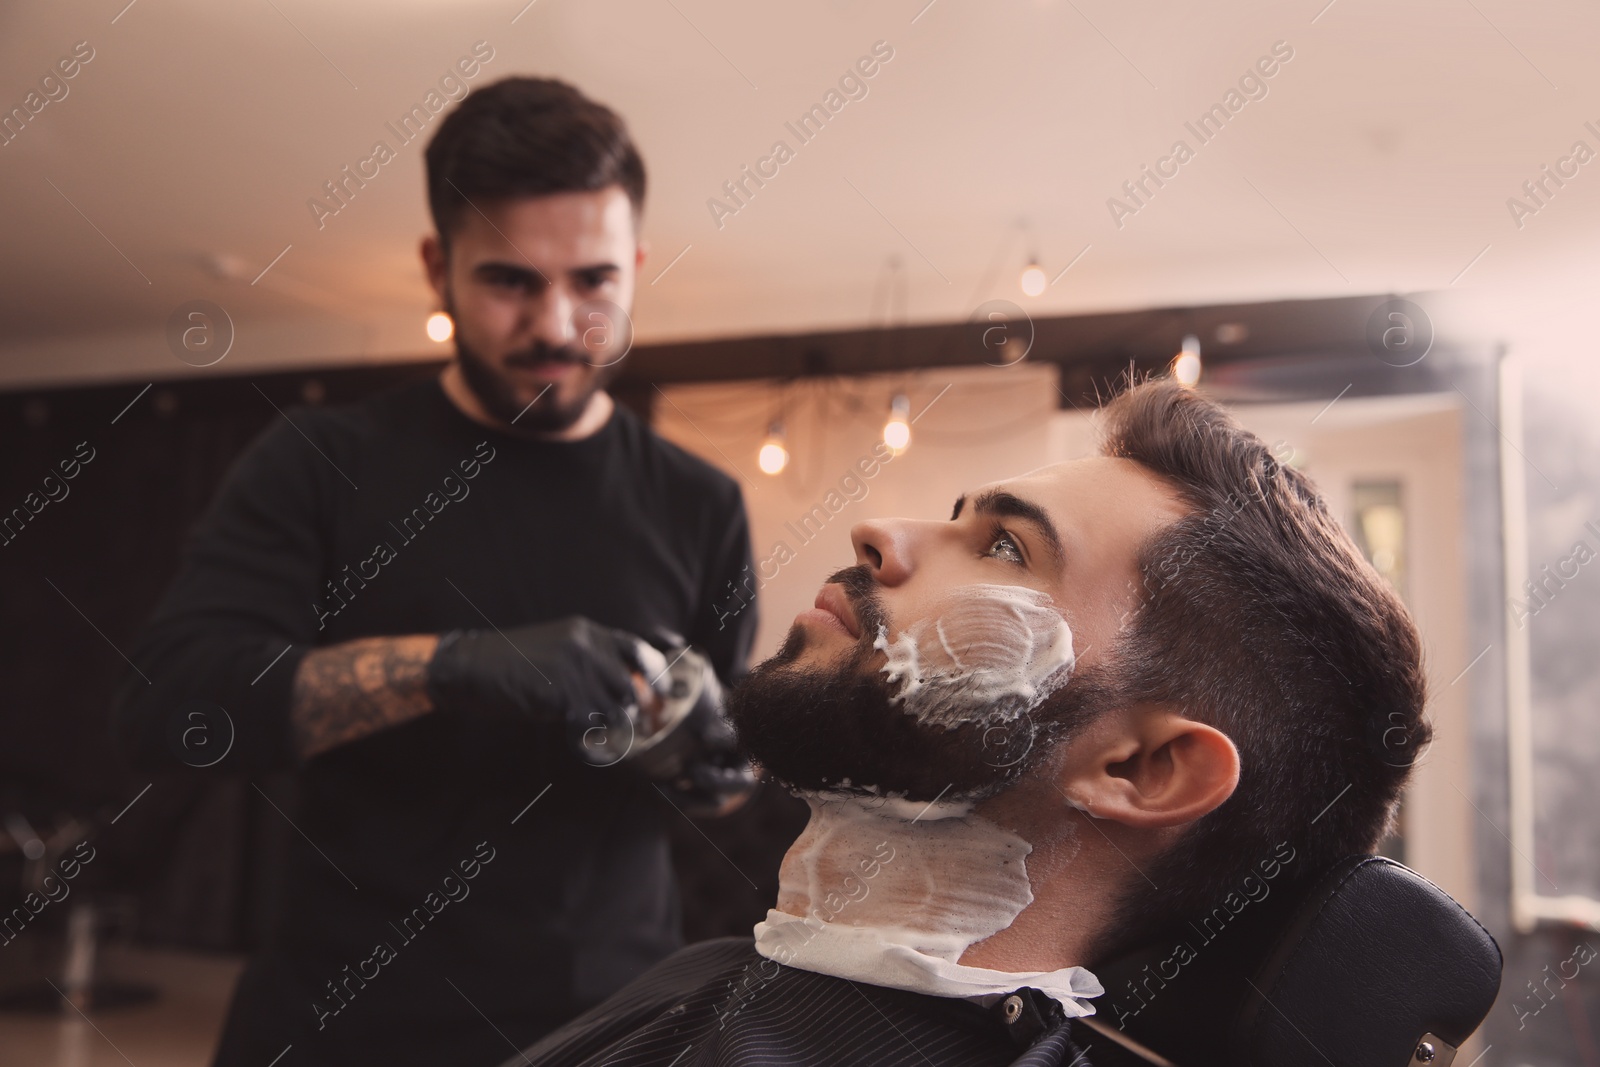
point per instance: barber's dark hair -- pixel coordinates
(1259, 616)
(527, 137)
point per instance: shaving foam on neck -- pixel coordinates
(893, 893)
(988, 653)
(941, 877)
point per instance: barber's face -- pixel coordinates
(533, 284)
(821, 710)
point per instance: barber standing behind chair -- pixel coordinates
(431, 606)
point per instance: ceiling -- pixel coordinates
(179, 164)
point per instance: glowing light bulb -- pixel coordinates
(1033, 280)
(897, 435)
(1186, 365)
(897, 431)
(773, 457)
(440, 327)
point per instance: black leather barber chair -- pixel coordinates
(1368, 965)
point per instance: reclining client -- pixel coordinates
(1052, 729)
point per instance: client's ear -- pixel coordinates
(1150, 768)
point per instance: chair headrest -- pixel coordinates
(1352, 968)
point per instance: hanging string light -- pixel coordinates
(440, 327)
(1186, 364)
(774, 456)
(897, 431)
(1033, 281)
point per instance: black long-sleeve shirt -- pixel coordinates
(426, 904)
(721, 1003)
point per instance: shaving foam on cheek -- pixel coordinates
(987, 652)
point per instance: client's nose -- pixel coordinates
(884, 547)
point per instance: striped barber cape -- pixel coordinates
(721, 1004)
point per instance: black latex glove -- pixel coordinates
(573, 673)
(718, 785)
(696, 756)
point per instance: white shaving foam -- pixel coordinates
(893, 893)
(893, 805)
(988, 653)
(941, 883)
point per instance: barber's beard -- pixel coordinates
(548, 413)
(837, 727)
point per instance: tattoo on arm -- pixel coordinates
(349, 690)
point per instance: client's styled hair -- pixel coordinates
(1259, 616)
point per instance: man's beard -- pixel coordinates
(837, 727)
(548, 413)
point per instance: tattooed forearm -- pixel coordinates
(349, 690)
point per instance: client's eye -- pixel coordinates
(1005, 547)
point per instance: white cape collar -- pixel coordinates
(869, 954)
